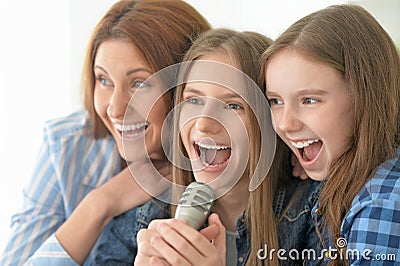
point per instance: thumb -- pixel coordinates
(210, 232)
(219, 240)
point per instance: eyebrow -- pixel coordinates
(301, 92)
(228, 95)
(130, 72)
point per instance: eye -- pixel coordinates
(275, 101)
(140, 84)
(194, 100)
(103, 81)
(234, 106)
(309, 100)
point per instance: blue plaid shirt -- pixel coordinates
(371, 229)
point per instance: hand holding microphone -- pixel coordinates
(169, 241)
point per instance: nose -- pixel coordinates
(288, 120)
(118, 103)
(208, 125)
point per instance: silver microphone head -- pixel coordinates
(195, 204)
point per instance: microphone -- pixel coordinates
(195, 204)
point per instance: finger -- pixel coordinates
(154, 223)
(220, 240)
(167, 252)
(298, 170)
(304, 176)
(193, 238)
(178, 238)
(156, 261)
(210, 232)
(296, 167)
(142, 260)
(143, 241)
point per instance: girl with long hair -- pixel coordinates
(333, 83)
(221, 80)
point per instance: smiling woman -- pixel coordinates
(120, 70)
(81, 180)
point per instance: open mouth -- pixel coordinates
(308, 149)
(211, 154)
(131, 130)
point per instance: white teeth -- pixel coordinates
(130, 126)
(210, 146)
(302, 144)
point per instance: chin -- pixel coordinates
(317, 176)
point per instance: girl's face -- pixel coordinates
(120, 71)
(312, 109)
(207, 109)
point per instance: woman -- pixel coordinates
(81, 180)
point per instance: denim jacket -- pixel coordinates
(298, 239)
(120, 248)
(295, 230)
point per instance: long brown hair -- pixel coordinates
(350, 40)
(244, 50)
(162, 30)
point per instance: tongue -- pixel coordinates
(214, 157)
(311, 151)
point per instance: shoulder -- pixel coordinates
(379, 199)
(384, 184)
(128, 224)
(71, 125)
(295, 200)
(156, 208)
(75, 130)
(75, 153)
(302, 193)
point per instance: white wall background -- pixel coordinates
(41, 51)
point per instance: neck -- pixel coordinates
(163, 166)
(230, 206)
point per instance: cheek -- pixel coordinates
(275, 120)
(184, 133)
(185, 136)
(100, 103)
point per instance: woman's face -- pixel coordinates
(120, 71)
(312, 109)
(208, 111)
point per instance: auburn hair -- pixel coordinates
(162, 30)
